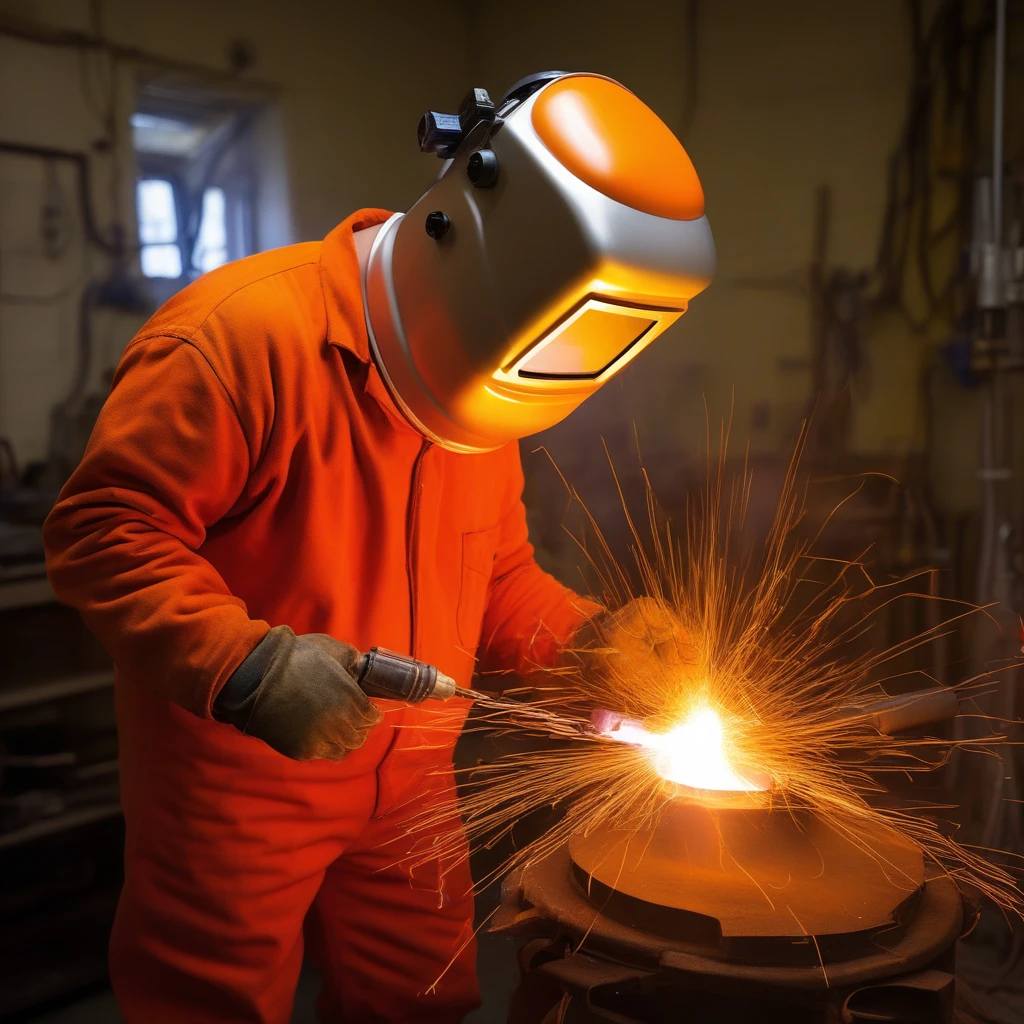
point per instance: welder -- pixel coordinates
(313, 452)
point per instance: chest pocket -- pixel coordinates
(478, 550)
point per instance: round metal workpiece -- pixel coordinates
(738, 872)
(578, 951)
(732, 909)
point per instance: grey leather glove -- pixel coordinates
(298, 694)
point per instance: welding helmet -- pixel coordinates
(565, 232)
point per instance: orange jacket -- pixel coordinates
(250, 469)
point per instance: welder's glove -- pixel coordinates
(298, 694)
(641, 636)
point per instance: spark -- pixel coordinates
(770, 697)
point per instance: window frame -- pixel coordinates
(233, 176)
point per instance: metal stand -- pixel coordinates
(581, 963)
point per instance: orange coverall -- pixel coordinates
(250, 469)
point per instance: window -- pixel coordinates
(194, 191)
(212, 240)
(158, 230)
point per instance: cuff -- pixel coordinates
(232, 701)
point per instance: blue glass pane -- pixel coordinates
(158, 221)
(161, 261)
(212, 241)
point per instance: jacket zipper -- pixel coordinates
(412, 547)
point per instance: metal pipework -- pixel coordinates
(998, 125)
(988, 216)
(907, 710)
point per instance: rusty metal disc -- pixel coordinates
(750, 872)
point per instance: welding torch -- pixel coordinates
(383, 673)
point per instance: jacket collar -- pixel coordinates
(341, 283)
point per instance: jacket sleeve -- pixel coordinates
(529, 614)
(167, 459)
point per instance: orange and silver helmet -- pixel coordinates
(565, 232)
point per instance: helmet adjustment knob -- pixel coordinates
(437, 224)
(482, 169)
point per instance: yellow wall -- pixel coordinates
(789, 97)
(353, 78)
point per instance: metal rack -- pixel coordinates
(54, 689)
(60, 820)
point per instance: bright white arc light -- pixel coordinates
(692, 754)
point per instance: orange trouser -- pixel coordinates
(231, 848)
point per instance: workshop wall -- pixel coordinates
(779, 107)
(350, 80)
(772, 104)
